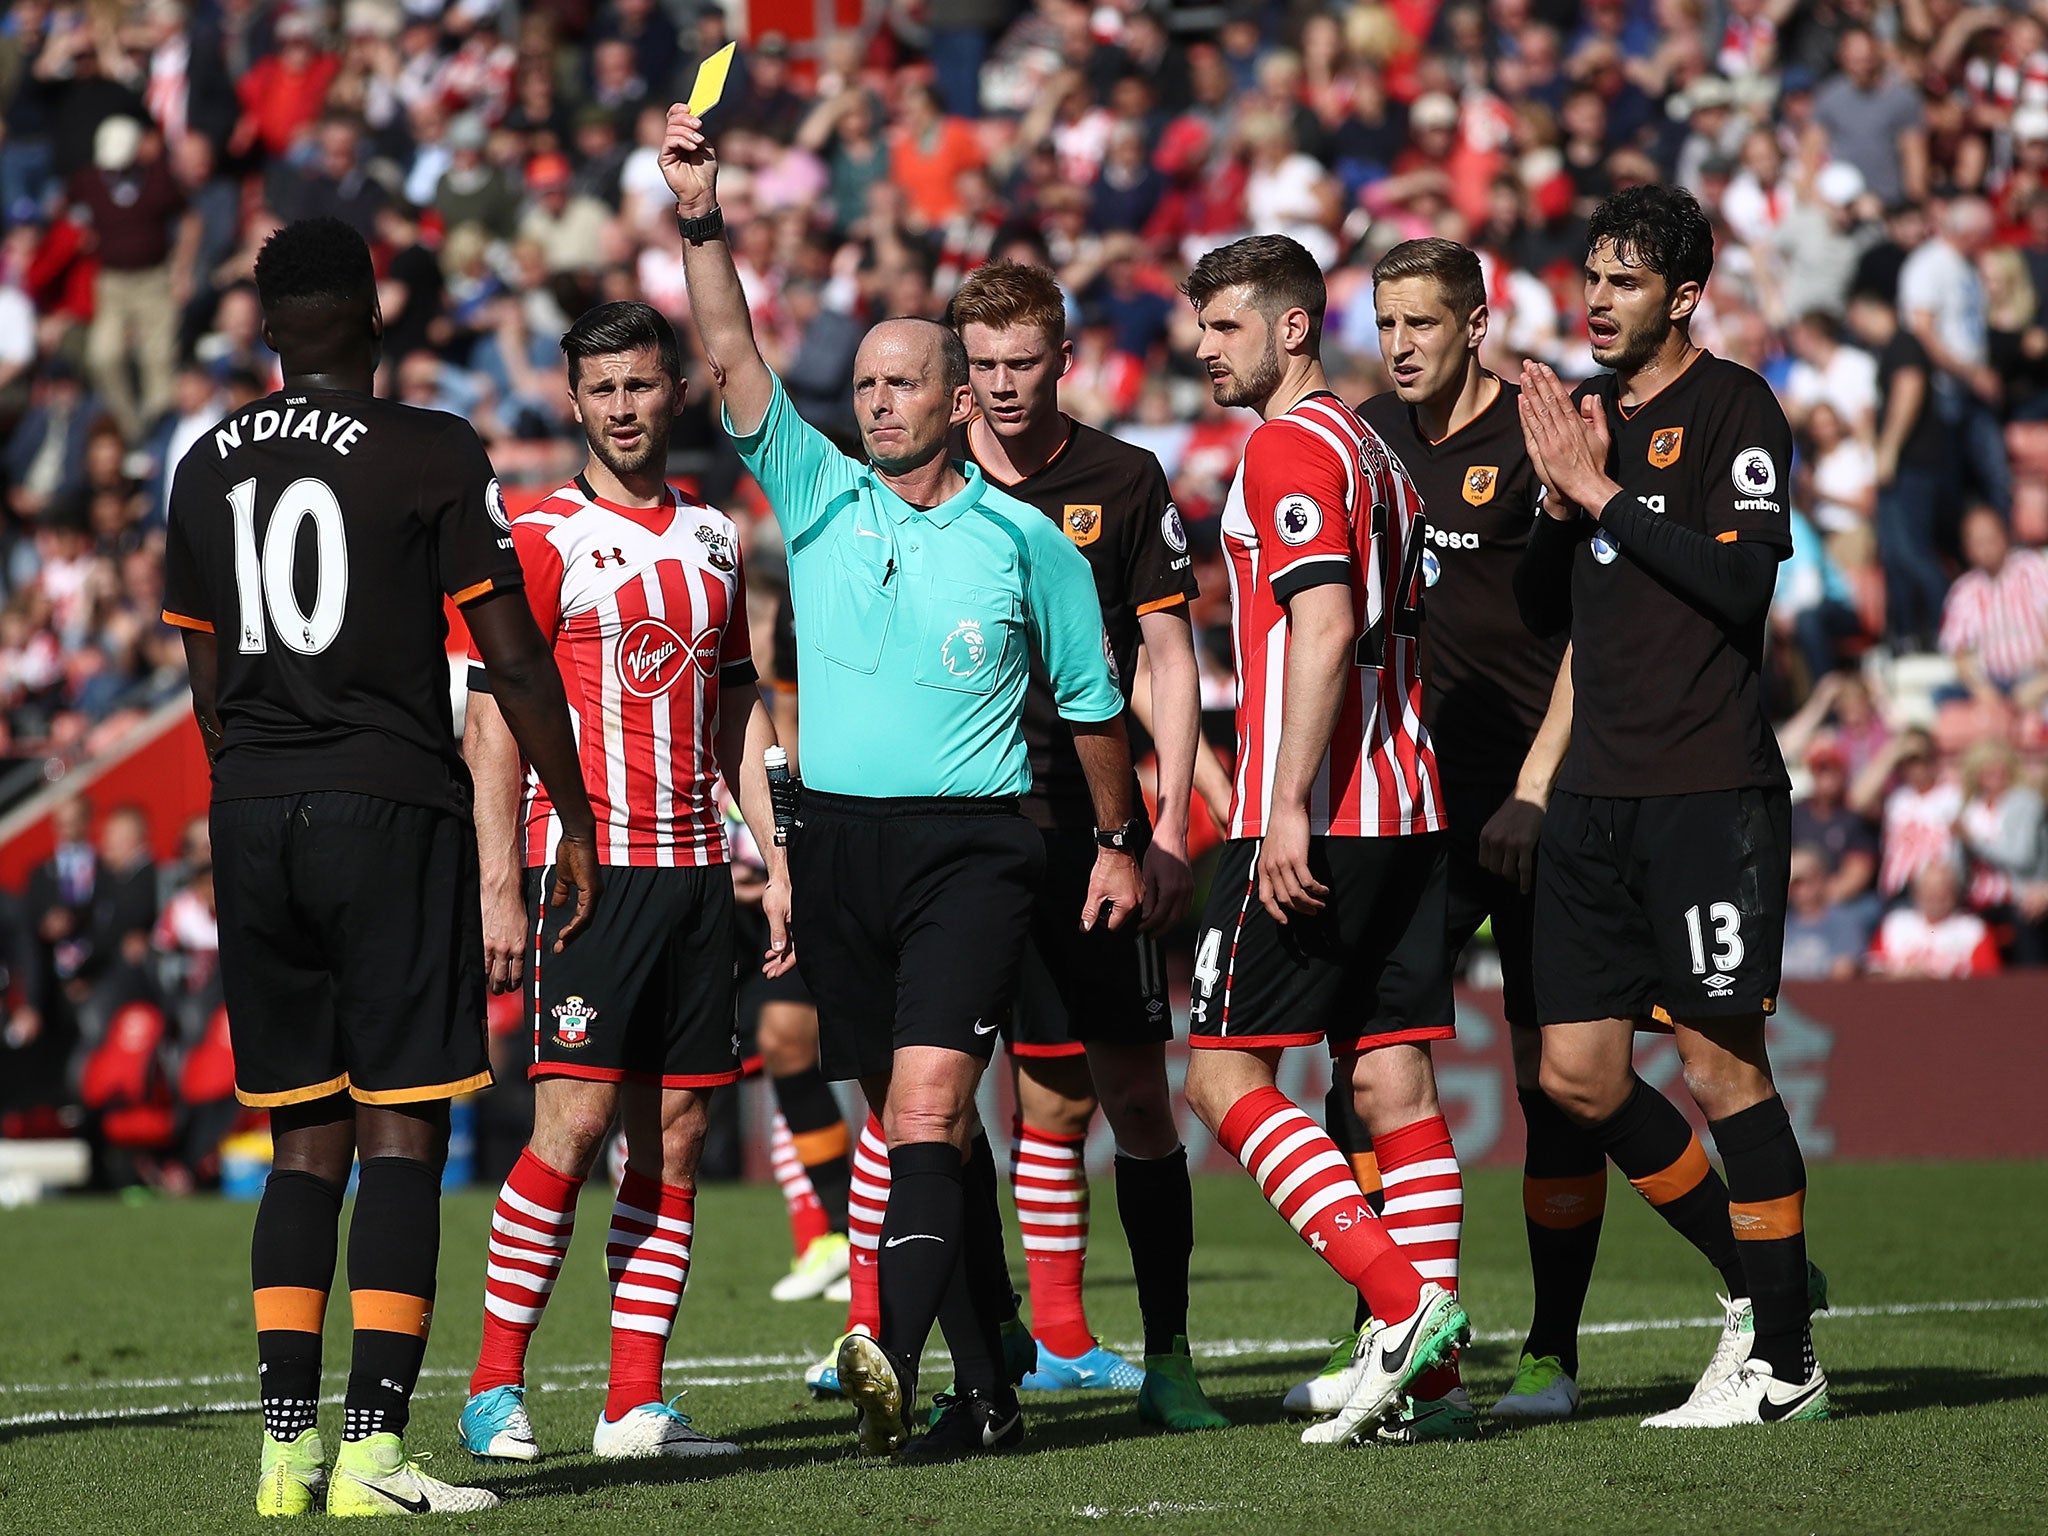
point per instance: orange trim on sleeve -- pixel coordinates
(420, 1095)
(471, 594)
(1725, 538)
(391, 1312)
(290, 1309)
(1164, 602)
(1762, 1220)
(1681, 1178)
(292, 1096)
(186, 621)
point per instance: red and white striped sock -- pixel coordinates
(649, 1257)
(1306, 1179)
(1425, 1211)
(807, 1219)
(867, 1202)
(1050, 1181)
(530, 1228)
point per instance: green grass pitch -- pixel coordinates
(126, 1383)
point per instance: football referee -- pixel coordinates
(924, 598)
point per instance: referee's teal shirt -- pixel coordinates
(916, 630)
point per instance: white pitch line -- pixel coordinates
(759, 1370)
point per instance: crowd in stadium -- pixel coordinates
(1878, 175)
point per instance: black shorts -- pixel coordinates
(756, 991)
(911, 916)
(1476, 895)
(1669, 907)
(645, 994)
(1370, 969)
(351, 948)
(1105, 985)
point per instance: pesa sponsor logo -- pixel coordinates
(573, 1018)
(653, 657)
(1297, 519)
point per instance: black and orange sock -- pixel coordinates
(1656, 1150)
(1767, 1209)
(818, 1131)
(1157, 1205)
(394, 1245)
(291, 1268)
(1340, 1118)
(1564, 1197)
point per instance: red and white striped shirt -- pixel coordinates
(1319, 498)
(646, 609)
(1908, 945)
(1919, 830)
(2002, 619)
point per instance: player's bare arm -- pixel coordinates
(202, 667)
(1212, 780)
(1105, 753)
(1321, 636)
(1176, 731)
(495, 772)
(1507, 843)
(528, 689)
(746, 730)
(717, 303)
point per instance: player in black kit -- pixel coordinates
(1661, 885)
(1092, 1018)
(315, 536)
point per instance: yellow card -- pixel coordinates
(710, 84)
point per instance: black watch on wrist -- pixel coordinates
(1123, 839)
(697, 231)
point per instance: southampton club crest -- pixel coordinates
(573, 1018)
(1480, 481)
(718, 547)
(1666, 444)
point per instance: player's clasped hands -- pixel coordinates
(1567, 443)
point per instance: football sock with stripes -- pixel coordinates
(1340, 1116)
(921, 1247)
(1424, 1211)
(648, 1256)
(291, 1269)
(1564, 1197)
(530, 1230)
(1157, 1204)
(1051, 1187)
(977, 1300)
(818, 1131)
(1656, 1150)
(1767, 1208)
(1307, 1180)
(866, 1202)
(394, 1246)
(807, 1219)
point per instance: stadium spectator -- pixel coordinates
(1873, 118)
(1843, 841)
(1919, 810)
(2002, 835)
(1933, 938)
(1941, 301)
(1911, 458)
(1823, 941)
(1995, 622)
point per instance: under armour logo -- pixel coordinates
(1317, 1241)
(617, 557)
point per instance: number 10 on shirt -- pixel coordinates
(265, 580)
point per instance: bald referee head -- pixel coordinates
(909, 393)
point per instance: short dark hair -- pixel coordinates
(625, 325)
(1455, 269)
(1278, 272)
(1658, 227)
(314, 261)
(1826, 326)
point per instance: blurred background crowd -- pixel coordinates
(1877, 173)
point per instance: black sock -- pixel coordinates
(922, 1233)
(1653, 1146)
(291, 1269)
(979, 1299)
(1157, 1206)
(811, 1111)
(1564, 1196)
(1767, 1204)
(394, 1244)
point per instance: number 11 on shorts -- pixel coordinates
(1728, 951)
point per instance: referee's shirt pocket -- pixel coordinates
(854, 605)
(969, 636)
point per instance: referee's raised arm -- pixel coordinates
(717, 302)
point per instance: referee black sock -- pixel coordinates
(394, 1244)
(819, 1133)
(1564, 1197)
(1767, 1207)
(291, 1268)
(979, 1297)
(921, 1248)
(1347, 1129)
(1157, 1206)
(1653, 1146)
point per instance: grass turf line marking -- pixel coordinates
(1222, 1349)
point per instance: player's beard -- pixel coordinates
(1252, 388)
(1634, 348)
(653, 449)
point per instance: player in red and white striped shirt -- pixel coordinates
(1327, 918)
(642, 594)
(1995, 622)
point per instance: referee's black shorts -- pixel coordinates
(911, 916)
(1106, 985)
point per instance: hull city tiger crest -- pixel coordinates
(1480, 482)
(1666, 443)
(1083, 523)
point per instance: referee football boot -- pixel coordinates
(1542, 1392)
(1329, 1389)
(968, 1423)
(1752, 1395)
(822, 1265)
(822, 1378)
(376, 1477)
(1394, 1354)
(495, 1427)
(882, 1389)
(651, 1430)
(1171, 1398)
(293, 1476)
(1450, 1417)
(1097, 1369)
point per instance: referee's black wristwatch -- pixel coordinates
(1123, 839)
